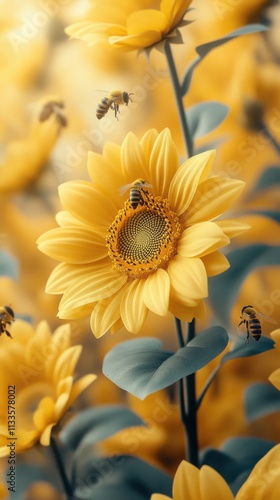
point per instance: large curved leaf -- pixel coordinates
(204, 117)
(141, 367)
(204, 49)
(119, 478)
(223, 289)
(95, 424)
(269, 178)
(261, 400)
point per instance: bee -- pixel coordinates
(135, 196)
(249, 316)
(116, 97)
(56, 108)
(7, 316)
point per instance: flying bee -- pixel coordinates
(53, 107)
(135, 195)
(115, 99)
(249, 316)
(7, 316)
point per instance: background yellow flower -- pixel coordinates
(132, 26)
(42, 373)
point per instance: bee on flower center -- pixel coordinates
(7, 316)
(249, 317)
(113, 101)
(136, 189)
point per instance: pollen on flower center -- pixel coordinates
(141, 240)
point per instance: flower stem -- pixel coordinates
(187, 399)
(178, 96)
(61, 469)
(265, 130)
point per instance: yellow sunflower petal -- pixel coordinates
(105, 282)
(104, 175)
(184, 183)
(44, 413)
(133, 159)
(79, 386)
(76, 312)
(164, 162)
(66, 362)
(84, 202)
(72, 245)
(46, 435)
(185, 313)
(132, 42)
(105, 314)
(65, 219)
(215, 263)
(213, 486)
(274, 378)
(186, 482)
(264, 480)
(213, 197)
(147, 143)
(133, 310)
(65, 275)
(233, 227)
(156, 292)
(146, 20)
(201, 239)
(188, 279)
(174, 10)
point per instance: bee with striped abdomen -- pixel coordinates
(113, 101)
(7, 316)
(249, 317)
(135, 196)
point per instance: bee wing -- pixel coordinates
(267, 318)
(124, 188)
(146, 185)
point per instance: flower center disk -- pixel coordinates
(141, 240)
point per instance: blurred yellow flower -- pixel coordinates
(40, 367)
(206, 484)
(25, 158)
(122, 261)
(129, 26)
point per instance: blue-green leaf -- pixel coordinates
(268, 179)
(204, 117)
(95, 424)
(261, 400)
(204, 49)
(141, 367)
(223, 289)
(8, 265)
(247, 450)
(230, 469)
(242, 350)
(119, 477)
(271, 214)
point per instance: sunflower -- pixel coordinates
(131, 25)
(207, 484)
(119, 262)
(36, 374)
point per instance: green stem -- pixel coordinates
(191, 407)
(187, 398)
(206, 386)
(271, 137)
(179, 96)
(61, 469)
